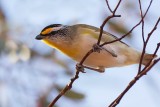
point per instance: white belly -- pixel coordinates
(102, 59)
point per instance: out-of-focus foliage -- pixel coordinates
(3, 30)
(71, 94)
(118, 27)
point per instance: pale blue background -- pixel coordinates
(22, 82)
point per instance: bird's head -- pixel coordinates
(59, 36)
(52, 31)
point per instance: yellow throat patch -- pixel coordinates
(64, 48)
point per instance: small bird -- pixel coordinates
(76, 40)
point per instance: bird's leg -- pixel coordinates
(97, 48)
(99, 69)
(81, 68)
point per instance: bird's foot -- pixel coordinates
(99, 69)
(80, 68)
(97, 48)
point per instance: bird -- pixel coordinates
(76, 40)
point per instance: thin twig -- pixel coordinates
(118, 39)
(144, 42)
(106, 20)
(141, 13)
(109, 8)
(114, 11)
(154, 55)
(101, 29)
(144, 72)
(68, 87)
(86, 56)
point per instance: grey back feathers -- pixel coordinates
(107, 37)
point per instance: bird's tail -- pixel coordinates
(147, 58)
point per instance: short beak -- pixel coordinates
(39, 37)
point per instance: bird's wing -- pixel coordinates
(94, 31)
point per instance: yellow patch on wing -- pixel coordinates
(46, 31)
(90, 32)
(95, 34)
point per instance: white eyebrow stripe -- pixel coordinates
(56, 28)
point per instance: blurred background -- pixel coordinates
(32, 74)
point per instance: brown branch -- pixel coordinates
(143, 52)
(144, 72)
(131, 84)
(79, 68)
(109, 8)
(68, 87)
(119, 39)
(144, 42)
(154, 54)
(130, 30)
(107, 19)
(101, 29)
(140, 6)
(86, 56)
